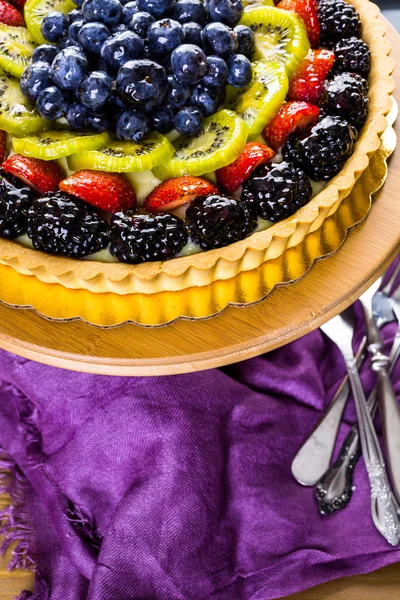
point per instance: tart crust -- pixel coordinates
(224, 263)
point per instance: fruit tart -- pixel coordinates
(161, 144)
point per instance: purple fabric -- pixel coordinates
(179, 488)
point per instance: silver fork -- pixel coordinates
(384, 506)
(313, 459)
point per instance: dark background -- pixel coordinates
(391, 10)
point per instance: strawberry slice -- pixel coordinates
(307, 10)
(3, 145)
(109, 191)
(307, 83)
(231, 177)
(292, 115)
(42, 175)
(10, 15)
(172, 193)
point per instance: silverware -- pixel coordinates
(388, 406)
(384, 506)
(334, 489)
(312, 460)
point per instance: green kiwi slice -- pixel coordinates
(36, 10)
(50, 145)
(222, 138)
(262, 99)
(280, 36)
(125, 157)
(17, 115)
(16, 49)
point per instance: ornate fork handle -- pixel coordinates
(334, 489)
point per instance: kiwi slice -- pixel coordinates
(16, 49)
(262, 99)
(279, 34)
(17, 115)
(36, 10)
(50, 145)
(125, 157)
(222, 138)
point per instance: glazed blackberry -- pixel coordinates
(352, 56)
(15, 200)
(347, 96)
(322, 148)
(137, 238)
(215, 221)
(61, 224)
(338, 20)
(277, 190)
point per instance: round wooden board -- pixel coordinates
(239, 332)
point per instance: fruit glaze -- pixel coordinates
(151, 129)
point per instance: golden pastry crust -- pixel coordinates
(224, 263)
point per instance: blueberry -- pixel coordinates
(219, 39)
(108, 12)
(116, 104)
(121, 48)
(205, 99)
(164, 36)
(217, 72)
(76, 116)
(193, 34)
(97, 121)
(74, 29)
(132, 125)
(178, 93)
(186, 11)
(157, 8)
(225, 11)
(142, 83)
(140, 23)
(189, 63)
(35, 79)
(68, 68)
(239, 71)
(92, 36)
(44, 53)
(119, 28)
(68, 43)
(245, 41)
(54, 26)
(188, 120)
(95, 89)
(52, 103)
(75, 15)
(163, 120)
(128, 11)
(78, 3)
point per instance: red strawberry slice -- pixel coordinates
(172, 193)
(42, 175)
(307, 83)
(10, 15)
(230, 178)
(3, 146)
(292, 115)
(109, 191)
(307, 10)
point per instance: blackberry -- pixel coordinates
(215, 221)
(61, 224)
(137, 238)
(347, 96)
(322, 148)
(338, 20)
(352, 56)
(15, 200)
(277, 190)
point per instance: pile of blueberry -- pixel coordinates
(132, 67)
